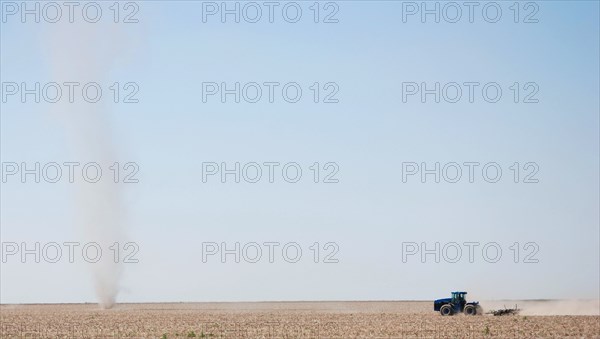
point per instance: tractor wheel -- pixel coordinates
(470, 310)
(446, 310)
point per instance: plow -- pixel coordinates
(505, 311)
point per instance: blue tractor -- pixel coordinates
(456, 304)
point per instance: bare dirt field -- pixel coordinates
(393, 319)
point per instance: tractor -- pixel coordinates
(456, 304)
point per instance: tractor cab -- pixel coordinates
(458, 301)
(458, 297)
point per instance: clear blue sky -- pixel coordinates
(369, 53)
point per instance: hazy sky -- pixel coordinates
(372, 217)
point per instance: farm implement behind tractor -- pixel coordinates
(505, 311)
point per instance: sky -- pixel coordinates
(366, 222)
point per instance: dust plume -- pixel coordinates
(84, 53)
(547, 307)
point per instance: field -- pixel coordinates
(401, 319)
